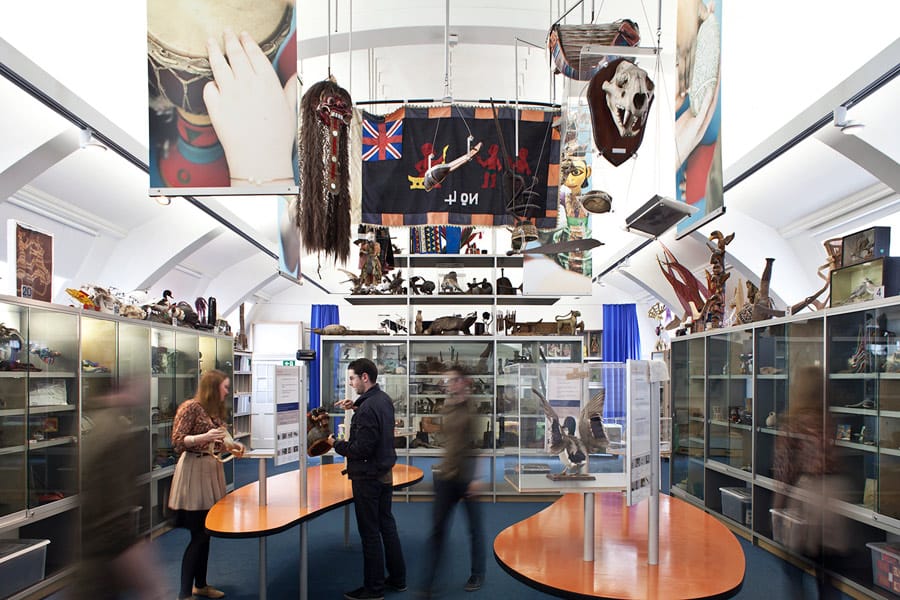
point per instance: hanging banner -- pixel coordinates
(396, 151)
(223, 117)
(698, 116)
(33, 251)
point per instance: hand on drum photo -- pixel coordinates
(254, 118)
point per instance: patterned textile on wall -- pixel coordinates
(395, 154)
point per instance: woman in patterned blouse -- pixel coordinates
(198, 433)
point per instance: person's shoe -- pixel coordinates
(474, 583)
(396, 586)
(362, 593)
(208, 591)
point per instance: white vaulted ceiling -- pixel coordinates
(786, 66)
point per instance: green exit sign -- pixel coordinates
(288, 363)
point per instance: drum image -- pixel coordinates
(177, 32)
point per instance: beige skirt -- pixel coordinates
(199, 482)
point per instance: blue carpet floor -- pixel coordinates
(335, 568)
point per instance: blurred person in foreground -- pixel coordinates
(116, 561)
(805, 458)
(370, 461)
(198, 434)
(454, 481)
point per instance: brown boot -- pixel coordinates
(208, 591)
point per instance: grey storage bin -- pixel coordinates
(21, 564)
(788, 527)
(736, 504)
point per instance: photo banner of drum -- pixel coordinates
(222, 83)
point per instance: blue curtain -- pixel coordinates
(322, 315)
(621, 341)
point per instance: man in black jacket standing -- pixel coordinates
(370, 459)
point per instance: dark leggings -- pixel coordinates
(196, 555)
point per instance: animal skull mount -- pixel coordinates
(619, 97)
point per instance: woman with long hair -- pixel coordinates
(198, 434)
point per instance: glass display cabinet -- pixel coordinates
(553, 423)
(389, 355)
(688, 416)
(749, 382)
(13, 406)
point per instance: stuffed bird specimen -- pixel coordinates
(573, 449)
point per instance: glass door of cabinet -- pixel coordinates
(780, 351)
(14, 474)
(429, 361)
(389, 356)
(887, 436)
(133, 407)
(163, 404)
(688, 414)
(729, 388)
(187, 365)
(856, 361)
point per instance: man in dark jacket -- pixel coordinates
(370, 459)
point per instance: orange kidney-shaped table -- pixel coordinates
(242, 514)
(698, 556)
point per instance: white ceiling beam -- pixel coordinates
(864, 154)
(797, 128)
(26, 169)
(67, 103)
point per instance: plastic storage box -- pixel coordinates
(886, 565)
(21, 564)
(736, 504)
(788, 528)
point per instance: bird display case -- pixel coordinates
(569, 421)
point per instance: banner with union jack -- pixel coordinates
(398, 148)
(382, 140)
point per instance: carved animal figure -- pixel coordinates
(533, 328)
(443, 325)
(394, 326)
(421, 286)
(569, 323)
(333, 329)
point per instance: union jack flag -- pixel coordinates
(382, 140)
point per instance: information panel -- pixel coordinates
(287, 415)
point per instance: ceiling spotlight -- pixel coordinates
(86, 139)
(164, 200)
(842, 122)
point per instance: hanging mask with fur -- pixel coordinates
(323, 212)
(619, 96)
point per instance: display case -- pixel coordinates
(389, 355)
(855, 350)
(61, 372)
(411, 371)
(688, 416)
(729, 383)
(14, 470)
(558, 448)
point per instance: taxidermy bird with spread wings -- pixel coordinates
(573, 450)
